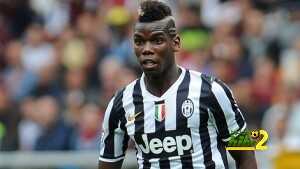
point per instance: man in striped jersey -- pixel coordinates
(177, 118)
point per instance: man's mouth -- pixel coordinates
(149, 63)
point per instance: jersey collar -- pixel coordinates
(173, 88)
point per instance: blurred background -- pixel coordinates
(62, 60)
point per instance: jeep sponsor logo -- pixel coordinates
(166, 146)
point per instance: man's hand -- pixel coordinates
(113, 165)
(244, 159)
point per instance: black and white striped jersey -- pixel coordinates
(185, 128)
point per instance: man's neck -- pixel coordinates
(159, 84)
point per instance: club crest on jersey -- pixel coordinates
(160, 111)
(187, 108)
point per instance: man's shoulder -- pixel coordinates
(120, 92)
(206, 78)
(117, 99)
(131, 84)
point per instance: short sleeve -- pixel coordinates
(114, 138)
(228, 117)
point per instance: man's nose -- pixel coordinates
(147, 49)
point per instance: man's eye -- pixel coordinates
(138, 42)
(158, 41)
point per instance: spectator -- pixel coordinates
(36, 52)
(28, 128)
(9, 119)
(56, 134)
(111, 78)
(88, 129)
(19, 81)
(76, 94)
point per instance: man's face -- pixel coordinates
(154, 47)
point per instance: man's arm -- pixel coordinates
(107, 165)
(114, 137)
(228, 120)
(244, 159)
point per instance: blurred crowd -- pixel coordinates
(62, 60)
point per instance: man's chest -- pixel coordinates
(164, 127)
(163, 116)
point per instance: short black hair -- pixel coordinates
(153, 10)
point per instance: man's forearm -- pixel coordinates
(244, 159)
(106, 165)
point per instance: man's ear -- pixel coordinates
(176, 43)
